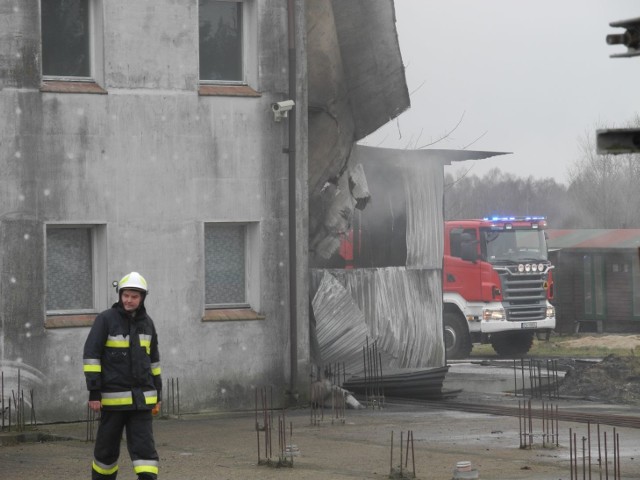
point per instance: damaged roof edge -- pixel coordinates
(445, 156)
(372, 62)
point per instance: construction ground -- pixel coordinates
(366, 443)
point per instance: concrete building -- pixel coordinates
(130, 141)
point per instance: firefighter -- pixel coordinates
(122, 369)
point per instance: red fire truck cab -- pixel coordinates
(497, 284)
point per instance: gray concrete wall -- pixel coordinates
(153, 161)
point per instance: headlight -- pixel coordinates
(521, 268)
(534, 267)
(541, 267)
(497, 314)
(527, 267)
(551, 311)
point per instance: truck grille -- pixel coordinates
(524, 296)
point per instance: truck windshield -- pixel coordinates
(513, 245)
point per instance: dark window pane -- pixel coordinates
(224, 264)
(65, 38)
(588, 285)
(220, 40)
(69, 269)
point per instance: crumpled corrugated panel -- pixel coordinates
(340, 331)
(400, 307)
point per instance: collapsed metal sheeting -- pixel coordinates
(372, 62)
(392, 263)
(356, 79)
(340, 331)
(400, 307)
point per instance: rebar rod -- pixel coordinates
(544, 422)
(606, 458)
(178, 389)
(571, 453)
(589, 446)
(401, 454)
(18, 409)
(548, 380)
(539, 379)
(366, 384)
(257, 425)
(557, 428)
(575, 453)
(381, 377)
(615, 456)
(32, 419)
(618, 457)
(519, 425)
(599, 451)
(2, 395)
(413, 457)
(391, 459)
(406, 455)
(530, 426)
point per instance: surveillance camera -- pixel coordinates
(280, 109)
(283, 106)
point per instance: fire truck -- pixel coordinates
(497, 284)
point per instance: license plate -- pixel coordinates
(529, 324)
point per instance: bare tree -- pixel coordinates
(604, 188)
(499, 193)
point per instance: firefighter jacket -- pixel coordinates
(121, 360)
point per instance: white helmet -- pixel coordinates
(134, 281)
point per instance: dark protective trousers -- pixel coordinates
(138, 425)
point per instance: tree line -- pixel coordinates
(603, 191)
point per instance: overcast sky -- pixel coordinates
(528, 77)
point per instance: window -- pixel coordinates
(70, 39)
(231, 274)
(75, 261)
(457, 237)
(594, 287)
(224, 45)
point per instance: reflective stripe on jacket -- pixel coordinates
(121, 360)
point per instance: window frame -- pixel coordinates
(98, 240)
(96, 49)
(251, 231)
(248, 48)
(594, 286)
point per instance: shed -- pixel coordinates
(596, 280)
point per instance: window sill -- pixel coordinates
(227, 91)
(231, 315)
(59, 86)
(69, 321)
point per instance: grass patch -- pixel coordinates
(566, 346)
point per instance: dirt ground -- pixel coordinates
(610, 341)
(358, 445)
(614, 380)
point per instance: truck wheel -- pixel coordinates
(457, 341)
(511, 344)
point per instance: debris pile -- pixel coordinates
(615, 379)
